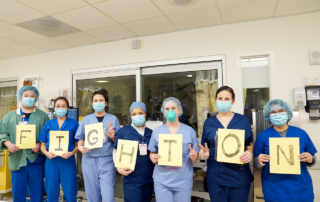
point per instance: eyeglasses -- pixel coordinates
(280, 112)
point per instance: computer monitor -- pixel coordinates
(73, 113)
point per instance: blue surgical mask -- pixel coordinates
(61, 112)
(223, 106)
(28, 102)
(279, 119)
(138, 120)
(171, 115)
(99, 106)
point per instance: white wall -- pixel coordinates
(288, 38)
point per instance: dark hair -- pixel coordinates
(226, 88)
(61, 98)
(104, 93)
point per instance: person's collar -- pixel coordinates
(19, 110)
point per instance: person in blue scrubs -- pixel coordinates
(137, 184)
(227, 182)
(26, 165)
(60, 169)
(174, 184)
(284, 187)
(97, 164)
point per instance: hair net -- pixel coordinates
(172, 99)
(138, 105)
(27, 88)
(277, 104)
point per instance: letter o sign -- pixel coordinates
(238, 144)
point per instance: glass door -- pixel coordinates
(8, 98)
(194, 85)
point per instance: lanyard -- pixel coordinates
(143, 138)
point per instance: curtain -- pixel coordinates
(8, 100)
(206, 88)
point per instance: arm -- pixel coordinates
(154, 157)
(313, 163)
(69, 154)
(82, 148)
(45, 151)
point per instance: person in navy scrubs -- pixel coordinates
(60, 169)
(227, 182)
(284, 187)
(137, 184)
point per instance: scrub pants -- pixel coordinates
(32, 174)
(59, 170)
(99, 176)
(137, 192)
(228, 194)
(166, 195)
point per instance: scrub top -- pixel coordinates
(282, 187)
(53, 125)
(227, 174)
(144, 166)
(107, 148)
(175, 178)
(8, 130)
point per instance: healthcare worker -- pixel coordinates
(284, 187)
(97, 164)
(26, 165)
(60, 169)
(227, 182)
(174, 184)
(137, 184)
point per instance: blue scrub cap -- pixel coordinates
(173, 99)
(27, 88)
(277, 104)
(138, 105)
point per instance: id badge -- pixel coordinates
(143, 149)
(105, 138)
(23, 123)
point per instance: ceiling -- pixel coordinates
(36, 26)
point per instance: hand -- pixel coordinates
(192, 153)
(50, 155)
(66, 155)
(37, 148)
(154, 157)
(306, 157)
(263, 158)
(83, 149)
(12, 147)
(124, 171)
(246, 157)
(204, 152)
(111, 131)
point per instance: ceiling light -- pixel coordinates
(190, 75)
(102, 81)
(182, 3)
(256, 59)
(48, 26)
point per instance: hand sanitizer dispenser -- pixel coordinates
(313, 102)
(299, 97)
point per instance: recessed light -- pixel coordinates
(182, 3)
(102, 81)
(189, 75)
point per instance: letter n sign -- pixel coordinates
(284, 155)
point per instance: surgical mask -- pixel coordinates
(28, 102)
(279, 119)
(99, 106)
(61, 112)
(138, 120)
(171, 115)
(223, 106)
